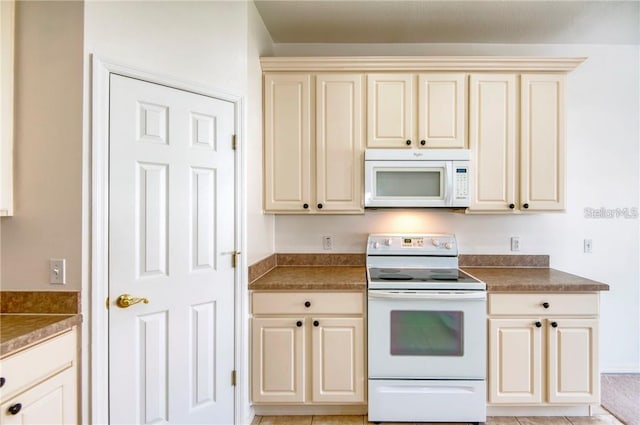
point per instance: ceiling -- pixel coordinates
(452, 21)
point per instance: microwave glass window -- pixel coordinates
(426, 333)
(419, 184)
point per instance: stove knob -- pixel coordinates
(448, 245)
(388, 242)
(376, 245)
(435, 242)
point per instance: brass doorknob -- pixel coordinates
(126, 300)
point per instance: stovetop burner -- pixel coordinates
(418, 275)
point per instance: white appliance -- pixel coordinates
(416, 178)
(426, 332)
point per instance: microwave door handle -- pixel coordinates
(448, 178)
(428, 295)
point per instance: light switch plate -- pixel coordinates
(57, 271)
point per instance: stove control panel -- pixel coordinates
(423, 244)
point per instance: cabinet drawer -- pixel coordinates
(534, 304)
(37, 363)
(296, 303)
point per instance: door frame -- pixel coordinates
(95, 339)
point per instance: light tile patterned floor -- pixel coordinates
(600, 419)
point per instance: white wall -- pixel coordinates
(47, 149)
(603, 154)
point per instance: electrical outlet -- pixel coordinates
(588, 246)
(515, 243)
(57, 271)
(327, 242)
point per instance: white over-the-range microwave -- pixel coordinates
(412, 178)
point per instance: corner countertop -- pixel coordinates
(505, 279)
(18, 331)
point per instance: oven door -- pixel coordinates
(408, 184)
(427, 334)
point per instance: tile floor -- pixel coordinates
(603, 418)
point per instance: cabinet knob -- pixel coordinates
(554, 324)
(423, 142)
(512, 206)
(305, 206)
(525, 206)
(2, 381)
(408, 142)
(299, 323)
(15, 409)
(545, 304)
(538, 324)
(316, 323)
(307, 304)
(319, 206)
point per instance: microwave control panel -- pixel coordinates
(460, 183)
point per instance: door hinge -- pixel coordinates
(106, 303)
(234, 258)
(233, 378)
(234, 142)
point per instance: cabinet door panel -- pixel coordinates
(492, 141)
(542, 142)
(515, 361)
(277, 363)
(573, 361)
(389, 110)
(441, 110)
(287, 133)
(338, 360)
(339, 142)
(51, 402)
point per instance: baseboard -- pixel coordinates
(620, 371)
(294, 410)
(584, 410)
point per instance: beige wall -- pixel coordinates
(48, 147)
(260, 227)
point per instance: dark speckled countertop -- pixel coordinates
(533, 280)
(346, 278)
(498, 279)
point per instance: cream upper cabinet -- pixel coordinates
(287, 147)
(542, 152)
(339, 147)
(492, 141)
(407, 110)
(313, 143)
(501, 129)
(390, 110)
(307, 348)
(543, 349)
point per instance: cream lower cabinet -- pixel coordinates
(543, 349)
(516, 136)
(40, 383)
(426, 110)
(313, 151)
(307, 355)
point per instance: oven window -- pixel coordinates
(403, 183)
(426, 333)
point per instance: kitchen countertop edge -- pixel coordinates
(37, 334)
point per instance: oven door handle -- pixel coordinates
(429, 295)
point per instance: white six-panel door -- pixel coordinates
(171, 239)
